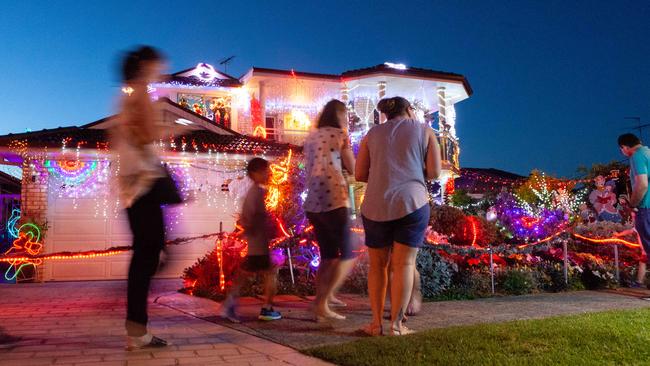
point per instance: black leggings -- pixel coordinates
(148, 229)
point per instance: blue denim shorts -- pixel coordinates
(408, 230)
(332, 229)
(642, 226)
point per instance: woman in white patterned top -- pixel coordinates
(327, 151)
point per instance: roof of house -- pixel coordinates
(478, 180)
(173, 104)
(204, 140)
(193, 80)
(210, 79)
(409, 71)
(295, 73)
(197, 140)
(369, 71)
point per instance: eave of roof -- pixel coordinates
(409, 71)
(294, 73)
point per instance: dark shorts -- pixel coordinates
(642, 226)
(332, 229)
(257, 263)
(408, 230)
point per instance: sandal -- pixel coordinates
(401, 332)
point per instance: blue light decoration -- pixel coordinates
(11, 223)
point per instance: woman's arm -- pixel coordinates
(433, 164)
(362, 167)
(347, 156)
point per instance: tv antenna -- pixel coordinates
(225, 62)
(639, 126)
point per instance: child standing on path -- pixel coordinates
(258, 229)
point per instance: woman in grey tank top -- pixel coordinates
(395, 158)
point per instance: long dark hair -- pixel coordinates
(393, 107)
(329, 116)
(132, 61)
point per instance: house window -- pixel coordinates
(270, 128)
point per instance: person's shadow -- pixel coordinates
(7, 339)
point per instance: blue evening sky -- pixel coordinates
(553, 80)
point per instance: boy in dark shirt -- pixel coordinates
(258, 229)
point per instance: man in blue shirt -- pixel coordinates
(639, 166)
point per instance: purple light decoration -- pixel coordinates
(522, 224)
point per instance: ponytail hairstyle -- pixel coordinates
(133, 61)
(329, 116)
(394, 107)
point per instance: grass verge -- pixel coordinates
(607, 338)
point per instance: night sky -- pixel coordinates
(552, 80)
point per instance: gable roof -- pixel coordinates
(202, 74)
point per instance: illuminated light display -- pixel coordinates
(279, 175)
(297, 120)
(127, 90)
(396, 66)
(222, 277)
(607, 241)
(12, 229)
(259, 131)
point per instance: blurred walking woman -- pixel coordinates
(327, 152)
(395, 158)
(143, 183)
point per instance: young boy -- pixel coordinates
(258, 229)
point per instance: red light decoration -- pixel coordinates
(450, 187)
(607, 241)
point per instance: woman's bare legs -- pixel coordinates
(377, 282)
(323, 286)
(403, 266)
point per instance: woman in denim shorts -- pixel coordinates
(395, 158)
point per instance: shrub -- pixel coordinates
(517, 281)
(550, 277)
(468, 283)
(596, 277)
(435, 273)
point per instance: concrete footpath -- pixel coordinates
(82, 323)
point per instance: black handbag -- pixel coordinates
(164, 190)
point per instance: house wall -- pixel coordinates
(79, 224)
(34, 201)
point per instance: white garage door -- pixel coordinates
(79, 225)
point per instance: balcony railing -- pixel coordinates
(449, 149)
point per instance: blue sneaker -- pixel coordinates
(269, 314)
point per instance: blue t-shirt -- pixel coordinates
(639, 164)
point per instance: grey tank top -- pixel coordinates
(396, 183)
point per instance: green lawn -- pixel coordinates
(607, 338)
